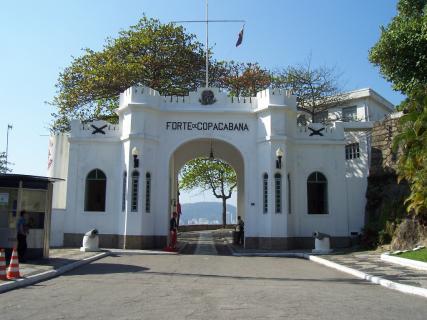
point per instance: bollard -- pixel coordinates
(321, 243)
(90, 241)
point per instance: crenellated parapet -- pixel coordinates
(94, 129)
(212, 99)
(139, 95)
(276, 98)
(205, 99)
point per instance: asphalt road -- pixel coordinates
(207, 287)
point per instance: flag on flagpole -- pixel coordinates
(240, 38)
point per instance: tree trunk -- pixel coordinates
(224, 212)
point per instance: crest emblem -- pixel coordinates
(207, 97)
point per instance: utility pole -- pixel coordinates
(9, 127)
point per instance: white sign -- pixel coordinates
(4, 198)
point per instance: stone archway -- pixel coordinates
(200, 147)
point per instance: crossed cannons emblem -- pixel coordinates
(316, 132)
(98, 130)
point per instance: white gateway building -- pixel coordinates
(293, 180)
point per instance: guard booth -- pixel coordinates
(34, 195)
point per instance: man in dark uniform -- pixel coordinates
(22, 231)
(173, 228)
(240, 231)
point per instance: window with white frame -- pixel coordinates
(95, 191)
(352, 151)
(349, 114)
(278, 192)
(147, 192)
(265, 193)
(317, 193)
(134, 200)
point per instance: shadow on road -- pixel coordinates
(105, 268)
(218, 276)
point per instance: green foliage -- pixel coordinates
(215, 175)
(420, 255)
(243, 79)
(3, 167)
(412, 142)
(160, 56)
(166, 58)
(401, 52)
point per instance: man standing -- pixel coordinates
(240, 231)
(22, 231)
(173, 228)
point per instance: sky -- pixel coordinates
(39, 39)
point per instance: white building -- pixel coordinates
(318, 184)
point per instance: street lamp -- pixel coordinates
(279, 155)
(211, 155)
(135, 154)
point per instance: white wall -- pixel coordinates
(271, 120)
(326, 159)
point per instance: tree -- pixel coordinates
(411, 142)
(160, 56)
(3, 163)
(401, 51)
(401, 54)
(215, 175)
(243, 79)
(316, 89)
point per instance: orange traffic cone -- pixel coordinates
(13, 269)
(2, 265)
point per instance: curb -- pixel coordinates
(356, 273)
(419, 265)
(374, 279)
(270, 254)
(49, 274)
(135, 252)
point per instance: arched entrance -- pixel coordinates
(201, 147)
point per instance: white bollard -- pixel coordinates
(322, 244)
(90, 241)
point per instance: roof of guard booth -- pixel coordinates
(32, 182)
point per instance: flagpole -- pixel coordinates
(7, 143)
(207, 37)
(207, 46)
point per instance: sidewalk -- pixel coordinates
(60, 261)
(366, 265)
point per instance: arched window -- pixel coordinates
(265, 193)
(125, 175)
(278, 192)
(96, 187)
(134, 200)
(147, 192)
(317, 193)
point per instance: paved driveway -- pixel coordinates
(206, 286)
